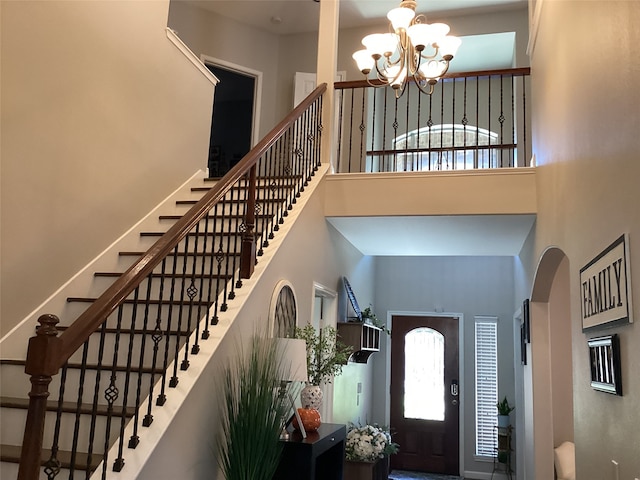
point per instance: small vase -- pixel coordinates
(311, 397)
(503, 421)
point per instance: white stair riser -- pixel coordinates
(180, 286)
(15, 383)
(126, 344)
(14, 421)
(169, 317)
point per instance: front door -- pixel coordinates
(425, 393)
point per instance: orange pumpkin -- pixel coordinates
(310, 418)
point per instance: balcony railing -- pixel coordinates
(472, 120)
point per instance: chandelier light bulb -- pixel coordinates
(381, 44)
(449, 46)
(364, 60)
(417, 51)
(400, 18)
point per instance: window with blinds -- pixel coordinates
(486, 384)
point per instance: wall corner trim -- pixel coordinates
(172, 35)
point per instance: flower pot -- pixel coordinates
(378, 470)
(503, 421)
(311, 397)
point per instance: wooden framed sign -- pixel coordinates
(605, 287)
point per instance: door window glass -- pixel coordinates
(424, 374)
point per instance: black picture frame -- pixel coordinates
(604, 360)
(526, 321)
(352, 299)
(523, 347)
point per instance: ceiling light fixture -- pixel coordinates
(413, 50)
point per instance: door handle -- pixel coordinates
(454, 392)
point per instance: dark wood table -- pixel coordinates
(320, 456)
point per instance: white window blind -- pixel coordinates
(486, 384)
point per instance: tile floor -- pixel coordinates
(401, 475)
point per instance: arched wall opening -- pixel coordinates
(549, 378)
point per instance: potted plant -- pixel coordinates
(504, 409)
(368, 316)
(367, 450)
(252, 411)
(326, 356)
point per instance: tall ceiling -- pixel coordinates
(300, 16)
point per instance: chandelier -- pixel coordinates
(413, 50)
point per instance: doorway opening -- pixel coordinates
(233, 122)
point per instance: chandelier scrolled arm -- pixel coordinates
(413, 50)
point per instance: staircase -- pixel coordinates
(140, 321)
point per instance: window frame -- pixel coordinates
(486, 386)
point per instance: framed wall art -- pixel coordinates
(605, 288)
(526, 321)
(604, 358)
(352, 300)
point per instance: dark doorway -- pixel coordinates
(232, 119)
(424, 393)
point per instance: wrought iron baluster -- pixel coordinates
(111, 394)
(210, 257)
(134, 439)
(53, 465)
(192, 292)
(96, 396)
(78, 409)
(202, 303)
(173, 381)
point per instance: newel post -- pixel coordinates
(43, 349)
(248, 253)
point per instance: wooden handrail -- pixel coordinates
(78, 332)
(479, 73)
(48, 352)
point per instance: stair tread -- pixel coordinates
(182, 254)
(259, 200)
(199, 234)
(11, 453)
(226, 217)
(166, 275)
(93, 366)
(141, 301)
(67, 407)
(128, 331)
(261, 178)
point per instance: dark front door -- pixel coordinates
(424, 394)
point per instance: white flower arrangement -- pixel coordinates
(368, 443)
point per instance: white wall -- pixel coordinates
(102, 117)
(586, 144)
(468, 285)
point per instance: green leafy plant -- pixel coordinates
(367, 314)
(252, 413)
(504, 408)
(326, 355)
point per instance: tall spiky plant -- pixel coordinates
(252, 413)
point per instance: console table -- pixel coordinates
(320, 456)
